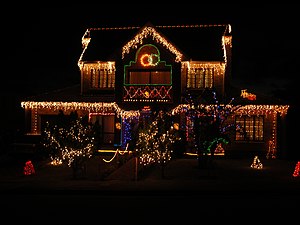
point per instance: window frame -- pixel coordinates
(102, 78)
(200, 78)
(251, 124)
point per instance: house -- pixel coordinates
(128, 72)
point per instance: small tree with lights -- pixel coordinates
(70, 140)
(211, 128)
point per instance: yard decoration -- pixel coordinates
(29, 168)
(297, 169)
(256, 164)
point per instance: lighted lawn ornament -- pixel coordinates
(215, 146)
(29, 168)
(256, 164)
(248, 95)
(219, 149)
(297, 170)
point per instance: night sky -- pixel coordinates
(41, 45)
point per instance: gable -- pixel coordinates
(149, 31)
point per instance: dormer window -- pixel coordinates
(200, 78)
(102, 78)
(99, 75)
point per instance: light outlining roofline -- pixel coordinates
(86, 38)
(105, 106)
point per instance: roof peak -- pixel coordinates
(159, 26)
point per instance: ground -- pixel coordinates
(229, 189)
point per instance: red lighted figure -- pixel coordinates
(28, 168)
(297, 170)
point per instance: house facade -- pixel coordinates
(128, 72)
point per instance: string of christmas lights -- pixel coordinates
(256, 164)
(87, 106)
(150, 31)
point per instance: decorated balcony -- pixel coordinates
(142, 93)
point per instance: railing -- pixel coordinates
(148, 93)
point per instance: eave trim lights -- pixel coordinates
(150, 31)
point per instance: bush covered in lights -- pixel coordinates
(69, 140)
(155, 141)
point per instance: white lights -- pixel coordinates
(85, 106)
(150, 31)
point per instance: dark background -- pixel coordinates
(41, 47)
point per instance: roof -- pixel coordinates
(73, 94)
(196, 42)
(70, 94)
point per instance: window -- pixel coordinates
(249, 128)
(149, 77)
(105, 132)
(147, 69)
(102, 78)
(200, 78)
(139, 77)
